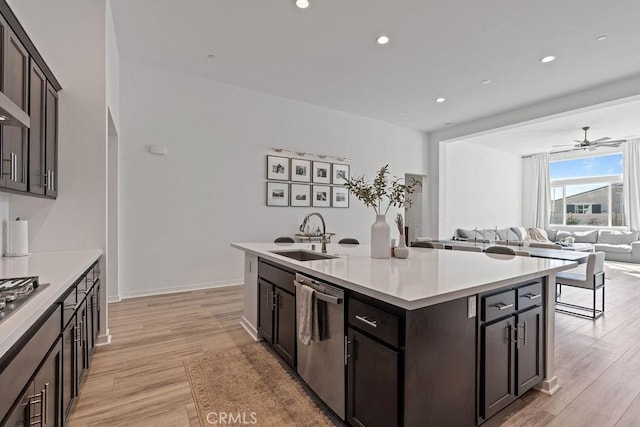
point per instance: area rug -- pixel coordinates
(249, 386)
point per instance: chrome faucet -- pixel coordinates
(324, 229)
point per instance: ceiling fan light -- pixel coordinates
(302, 4)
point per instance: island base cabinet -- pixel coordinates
(266, 302)
(284, 339)
(372, 382)
(530, 347)
(498, 366)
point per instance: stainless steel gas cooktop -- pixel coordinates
(15, 292)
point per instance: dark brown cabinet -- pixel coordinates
(69, 366)
(372, 382)
(511, 347)
(29, 156)
(277, 310)
(15, 86)
(37, 100)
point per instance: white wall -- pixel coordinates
(180, 212)
(70, 35)
(482, 188)
(113, 69)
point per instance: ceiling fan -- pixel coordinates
(585, 144)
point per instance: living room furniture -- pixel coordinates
(589, 276)
(432, 245)
(466, 248)
(545, 245)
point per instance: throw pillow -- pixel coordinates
(521, 232)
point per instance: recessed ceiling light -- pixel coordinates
(383, 40)
(302, 4)
(601, 38)
(211, 56)
(486, 82)
(548, 59)
(3, 118)
(440, 100)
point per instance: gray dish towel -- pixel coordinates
(308, 325)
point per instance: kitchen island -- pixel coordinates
(443, 337)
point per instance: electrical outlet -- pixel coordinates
(472, 307)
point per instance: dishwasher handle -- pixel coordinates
(304, 280)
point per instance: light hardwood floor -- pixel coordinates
(140, 380)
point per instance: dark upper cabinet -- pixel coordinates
(37, 102)
(372, 382)
(29, 156)
(51, 143)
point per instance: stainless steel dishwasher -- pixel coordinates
(322, 363)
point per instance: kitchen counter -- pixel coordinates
(427, 277)
(59, 269)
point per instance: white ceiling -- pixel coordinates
(621, 121)
(327, 54)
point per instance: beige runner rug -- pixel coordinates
(248, 386)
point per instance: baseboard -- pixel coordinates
(177, 289)
(251, 330)
(113, 299)
(103, 339)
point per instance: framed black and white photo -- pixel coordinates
(300, 195)
(300, 170)
(278, 168)
(340, 174)
(339, 197)
(321, 173)
(277, 194)
(321, 196)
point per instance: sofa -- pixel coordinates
(617, 245)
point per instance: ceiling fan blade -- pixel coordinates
(601, 139)
(563, 145)
(579, 142)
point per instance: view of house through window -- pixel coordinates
(587, 191)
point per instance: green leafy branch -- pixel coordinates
(383, 187)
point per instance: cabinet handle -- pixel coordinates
(14, 172)
(45, 398)
(33, 400)
(532, 296)
(502, 306)
(524, 333)
(511, 331)
(76, 337)
(346, 350)
(53, 181)
(363, 319)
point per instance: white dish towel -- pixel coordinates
(308, 327)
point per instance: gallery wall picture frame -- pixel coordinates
(321, 173)
(300, 170)
(300, 195)
(277, 194)
(339, 197)
(340, 174)
(321, 196)
(278, 168)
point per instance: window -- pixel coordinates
(587, 191)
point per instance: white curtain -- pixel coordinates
(536, 191)
(631, 179)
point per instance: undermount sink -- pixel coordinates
(301, 255)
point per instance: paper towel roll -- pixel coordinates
(17, 238)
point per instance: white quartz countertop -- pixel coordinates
(59, 269)
(427, 277)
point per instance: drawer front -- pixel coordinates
(377, 322)
(277, 276)
(530, 295)
(19, 370)
(498, 305)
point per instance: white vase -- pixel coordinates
(402, 251)
(380, 238)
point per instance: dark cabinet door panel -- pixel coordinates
(69, 338)
(266, 302)
(51, 142)
(284, 341)
(48, 386)
(497, 366)
(38, 90)
(530, 342)
(26, 411)
(372, 382)
(16, 71)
